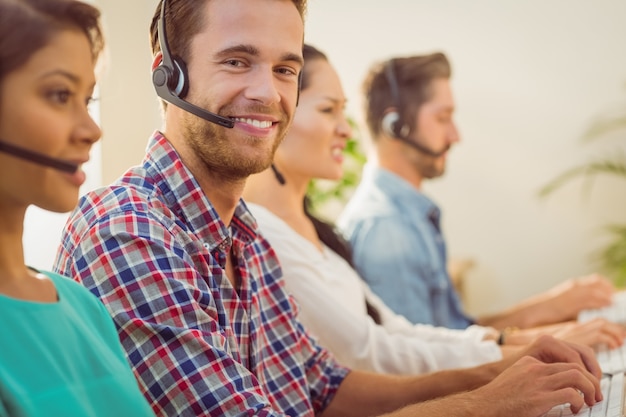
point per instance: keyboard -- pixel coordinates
(613, 365)
(611, 406)
(612, 361)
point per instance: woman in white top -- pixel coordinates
(335, 304)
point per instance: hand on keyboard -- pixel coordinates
(530, 388)
(598, 331)
(612, 405)
(549, 350)
(574, 295)
(591, 333)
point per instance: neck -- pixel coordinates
(11, 248)
(285, 201)
(223, 193)
(392, 158)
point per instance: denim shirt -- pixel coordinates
(399, 249)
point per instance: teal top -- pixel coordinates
(64, 358)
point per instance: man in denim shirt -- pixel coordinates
(399, 249)
(394, 228)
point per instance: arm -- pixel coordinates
(513, 393)
(592, 333)
(358, 342)
(561, 303)
(555, 367)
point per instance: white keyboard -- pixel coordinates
(611, 406)
(612, 361)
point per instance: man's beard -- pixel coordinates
(211, 144)
(430, 170)
(429, 166)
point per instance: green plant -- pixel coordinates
(326, 196)
(611, 259)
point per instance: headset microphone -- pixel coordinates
(391, 123)
(38, 158)
(170, 80)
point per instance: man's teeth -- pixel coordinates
(337, 151)
(263, 124)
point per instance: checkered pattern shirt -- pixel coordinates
(154, 250)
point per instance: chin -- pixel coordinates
(61, 203)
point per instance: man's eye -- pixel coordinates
(234, 63)
(287, 71)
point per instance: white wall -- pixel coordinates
(529, 77)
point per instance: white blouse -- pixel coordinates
(331, 297)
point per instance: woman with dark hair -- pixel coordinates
(59, 350)
(335, 304)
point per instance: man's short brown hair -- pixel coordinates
(413, 76)
(183, 20)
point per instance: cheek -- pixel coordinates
(39, 128)
(303, 136)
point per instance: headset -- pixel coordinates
(392, 124)
(170, 79)
(38, 158)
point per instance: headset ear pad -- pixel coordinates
(180, 85)
(174, 78)
(389, 124)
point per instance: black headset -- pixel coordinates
(392, 123)
(170, 79)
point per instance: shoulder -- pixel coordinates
(119, 206)
(74, 294)
(269, 224)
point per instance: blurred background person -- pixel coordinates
(394, 228)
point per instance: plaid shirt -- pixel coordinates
(154, 250)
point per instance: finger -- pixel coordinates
(572, 382)
(588, 359)
(612, 334)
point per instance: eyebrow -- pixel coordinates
(66, 74)
(254, 51)
(336, 100)
(72, 77)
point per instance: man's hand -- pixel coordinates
(531, 387)
(550, 350)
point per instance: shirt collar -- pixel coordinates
(403, 193)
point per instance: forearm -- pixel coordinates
(373, 394)
(460, 405)
(530, 313)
